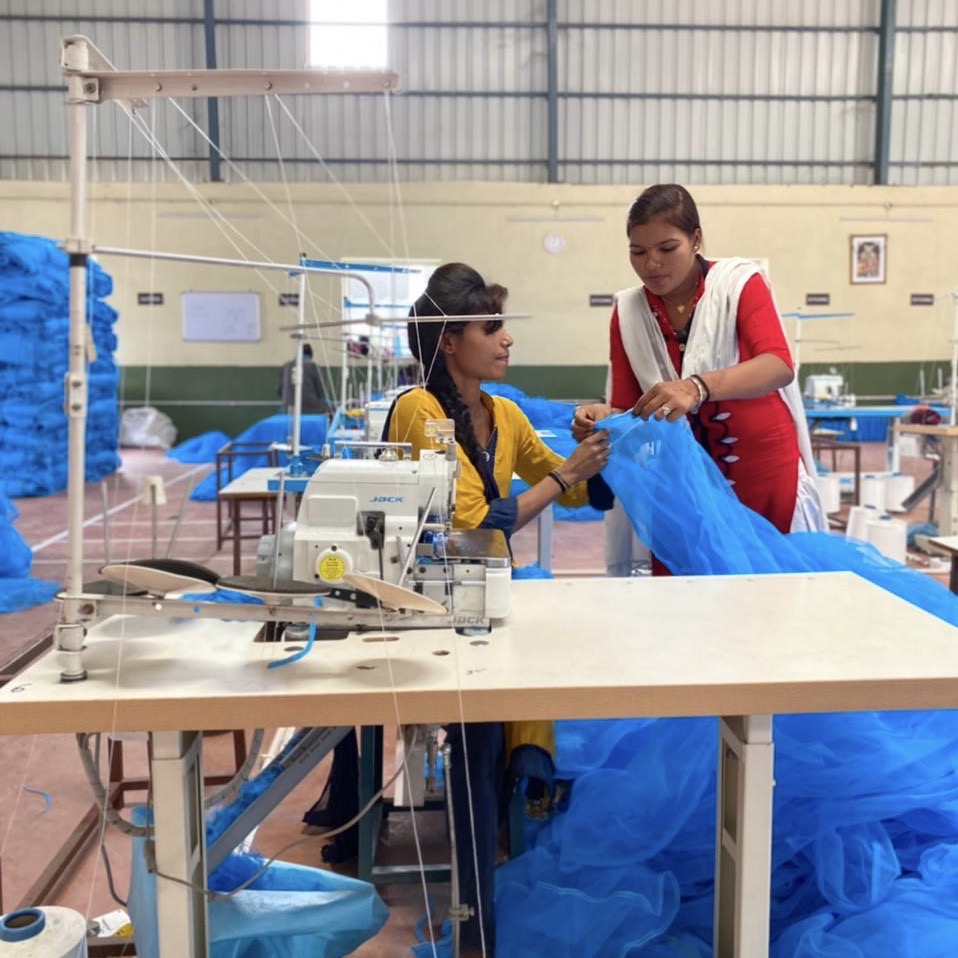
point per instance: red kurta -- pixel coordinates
(753, 441)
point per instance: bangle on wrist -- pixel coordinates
(703, 391)
(560, 482)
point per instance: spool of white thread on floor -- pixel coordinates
(830, 489)
(873, 491)
(889, 536)
(47, 932)
(858, 517)
(898, 488)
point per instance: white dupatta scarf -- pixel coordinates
(713, 344)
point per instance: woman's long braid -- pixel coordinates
(454, 289)
(441, 385)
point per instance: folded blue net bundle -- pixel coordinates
(865, 852)
(34, 352)
(18, 589)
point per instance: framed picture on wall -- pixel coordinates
(868, 256)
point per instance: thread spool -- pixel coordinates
(889, 536)
(858, 517)
(873, 491)
(47, 932)
(898, 488)
(830, 489)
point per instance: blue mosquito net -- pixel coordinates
(865, 856)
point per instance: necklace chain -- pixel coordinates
(680, 308)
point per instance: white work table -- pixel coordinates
(949, 544)
(739, 647)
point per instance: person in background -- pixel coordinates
(702, 340)
(494, 441)
(313, 397)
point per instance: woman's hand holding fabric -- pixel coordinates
(587, 459)
(668, 400)
(585, 418)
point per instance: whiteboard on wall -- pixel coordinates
(221, 317)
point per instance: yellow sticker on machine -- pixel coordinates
(331, 567)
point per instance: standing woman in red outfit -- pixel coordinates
(703, 340)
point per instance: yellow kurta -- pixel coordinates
(519, 451)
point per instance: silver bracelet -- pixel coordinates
(700, 389)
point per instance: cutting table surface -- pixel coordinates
(571, 648)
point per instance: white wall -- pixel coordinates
(498, 228)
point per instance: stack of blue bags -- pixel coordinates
(34, 355)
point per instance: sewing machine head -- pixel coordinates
(389, 517)
(824, 388)
(373, 538)
(363, 514)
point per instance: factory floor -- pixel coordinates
(44, 796)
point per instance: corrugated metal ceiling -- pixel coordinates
(729, 91)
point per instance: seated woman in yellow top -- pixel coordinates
(495, 440)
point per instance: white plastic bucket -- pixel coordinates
(889, 536)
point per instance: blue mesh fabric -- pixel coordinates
(290, 911)
(34, 337)
(202, 448)
(865, 847)
(272, 429)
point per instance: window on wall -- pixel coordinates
(396, 286)
(348, 35)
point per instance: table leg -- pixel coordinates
(236, 509)
(370, 781)
(743, 837)
(180, 843)
(857, 458)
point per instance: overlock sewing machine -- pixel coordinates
(372, 547)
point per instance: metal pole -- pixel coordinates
(70, 632)
(249, 263)
(298, 373)
(552, 91)
(954, 363)
(883, 93)
(212, 104)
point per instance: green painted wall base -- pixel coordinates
(230, 398)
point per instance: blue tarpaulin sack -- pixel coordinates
(865, 843)
(290, 911)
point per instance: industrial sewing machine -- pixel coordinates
(383, 524)
(827, 388)
(372, 547)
